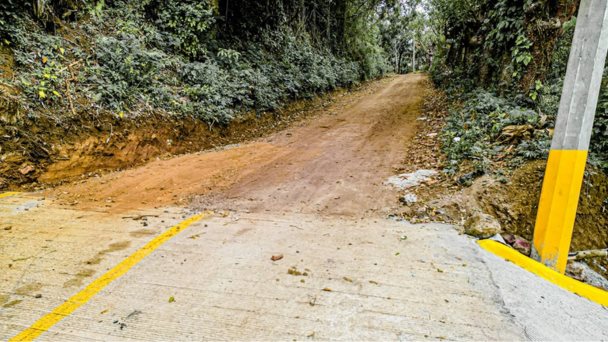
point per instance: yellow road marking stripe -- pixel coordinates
(79, 299)
(8, 194)
(584, 290)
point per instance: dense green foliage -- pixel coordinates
(202, 58)
(504, 63)
(486, 128)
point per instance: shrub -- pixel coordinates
(474, 131)
(187, 24)
(126, 72)
(165, 55)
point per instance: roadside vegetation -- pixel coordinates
(69, 65)
(502, 66)
(502, 63)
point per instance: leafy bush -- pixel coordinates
(599, 139)
(549, 101)
(165, 56)
(475, 131)
(127, 72)
(10, 11)
(187, 24)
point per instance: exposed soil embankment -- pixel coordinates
(516, 203)
(42, 151)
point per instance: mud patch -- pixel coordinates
(28, 289)
(114, 247)
(165, 182)
(12, 303)
(142, 232)
(79, 278)
(4, 299)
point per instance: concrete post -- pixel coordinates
(569, 148)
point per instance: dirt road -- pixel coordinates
(116, 257)
(333, 163)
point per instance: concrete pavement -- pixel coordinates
(366, 279)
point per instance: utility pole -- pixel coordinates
(569, 148)
(414, 55)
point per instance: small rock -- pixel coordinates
(25, 169)
(581, 271)
(276, 257)
(467, 179)
(408, 199)
(409, 180)
(482, 226)
(509, 238)
(408, 211)
(522, 245)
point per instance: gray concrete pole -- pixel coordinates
(569, 148)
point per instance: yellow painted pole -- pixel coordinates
(569, 148)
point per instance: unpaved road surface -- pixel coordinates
(333, 163)
(313, 197)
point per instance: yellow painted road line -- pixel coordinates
(82, 297)
(8, 194)
(584, 290)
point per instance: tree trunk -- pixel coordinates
(414, 56)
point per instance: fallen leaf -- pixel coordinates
(327, 289)
(171, 299)
(276, 257)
